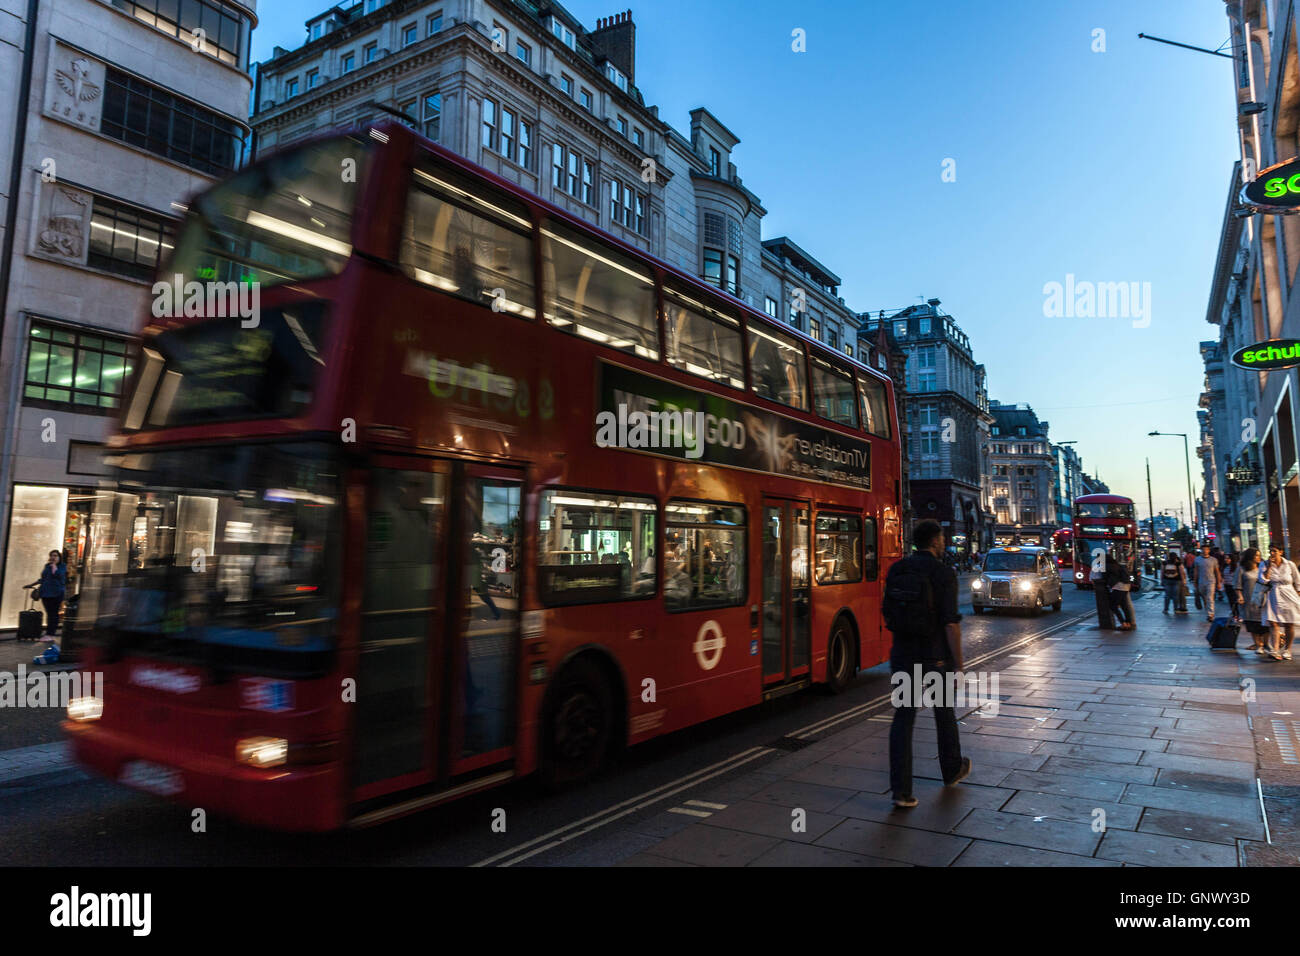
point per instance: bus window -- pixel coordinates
(833, 392)
(595, 292)
(704, 555)
(470, 243)
(702, 341)
(595, 547)
(875, 406)
(870, 550)
(776, 364)
(285, 219)
(838, 549)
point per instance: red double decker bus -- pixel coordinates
(1101, 523)
(1063, 547)
(479, 491)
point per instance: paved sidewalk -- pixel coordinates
(1109, 748)
(13, 653)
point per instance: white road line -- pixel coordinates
(690, 813)
(706, 804)
(562, 835)
(1259, 788)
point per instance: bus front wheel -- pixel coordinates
(579, 726)
(841, 661)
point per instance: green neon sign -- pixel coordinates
(1266, 356)
(1277, 187)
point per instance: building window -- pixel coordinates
(348, 63)
(566, 84)
(572, 174)
(371, 51)
(848, 350)
(713, 267)
(507, 133)
(923, 327)
(770, 306)
(315, 31)
(524, 52)
(832, 338)
(126, 241)
(574, 169)
(626, 206)
(291, 89)
(588, 183)
(313, 78)
(616, 76)
(585, 99)
(373, 5)
(638, 137)
(489, 123)
(410, 33)
(557, 166)
(143, 115)
(715, 162)
(814, 328)
(407, 110)
(525, 144)
(563, 33)
(622, 126)
(225, 29)
(432, 115)
(434, 24)
(79, 371)
(794, 314)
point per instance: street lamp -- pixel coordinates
(1187, 460)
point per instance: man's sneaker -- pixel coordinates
(962, 774)
(904, 802)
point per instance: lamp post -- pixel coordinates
(1187, 461)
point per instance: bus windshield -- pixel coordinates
(1101, 510)
(285, 219)
(233, 547)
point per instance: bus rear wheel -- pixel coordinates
(578, 728)
(841, 660)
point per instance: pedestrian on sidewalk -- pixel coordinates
(1281, 609)
(1209, 579)
(1119, 579)
(920, 610)
(1230, 573)
(53, 585)
(1173, 576)
(1250, 595)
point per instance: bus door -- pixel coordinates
(403, 614)
(440, 614)
(786, 606)
(480, 685)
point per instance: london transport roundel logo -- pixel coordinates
(1266, 356)
(708, 646)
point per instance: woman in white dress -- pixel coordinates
(1281, 608)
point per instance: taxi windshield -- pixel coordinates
(1009, 561)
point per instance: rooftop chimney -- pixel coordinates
(615, 39)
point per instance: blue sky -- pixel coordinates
(1111, 167)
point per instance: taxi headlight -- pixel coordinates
(1024, 584)
(977, 584)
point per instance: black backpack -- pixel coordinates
(909, 606)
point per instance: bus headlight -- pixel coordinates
(1024, 584)
(1078, 575)
(262, 751)
(977, 584)
(85, 708)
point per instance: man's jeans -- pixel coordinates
(1173, 596)
(1207, 596)
(900, 732)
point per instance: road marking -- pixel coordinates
(691, 813)
(1282, 735)
(29, 761)
(604, 817)
(1259, 788)
(706, 804)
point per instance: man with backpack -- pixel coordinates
(920, 609)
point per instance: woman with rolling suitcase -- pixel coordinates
(53, 585)
(1250, 596)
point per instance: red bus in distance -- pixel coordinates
(483, 492)
(1100, 523)
(1063, 547)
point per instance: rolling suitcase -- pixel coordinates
(1223, 634)
(29, 621)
